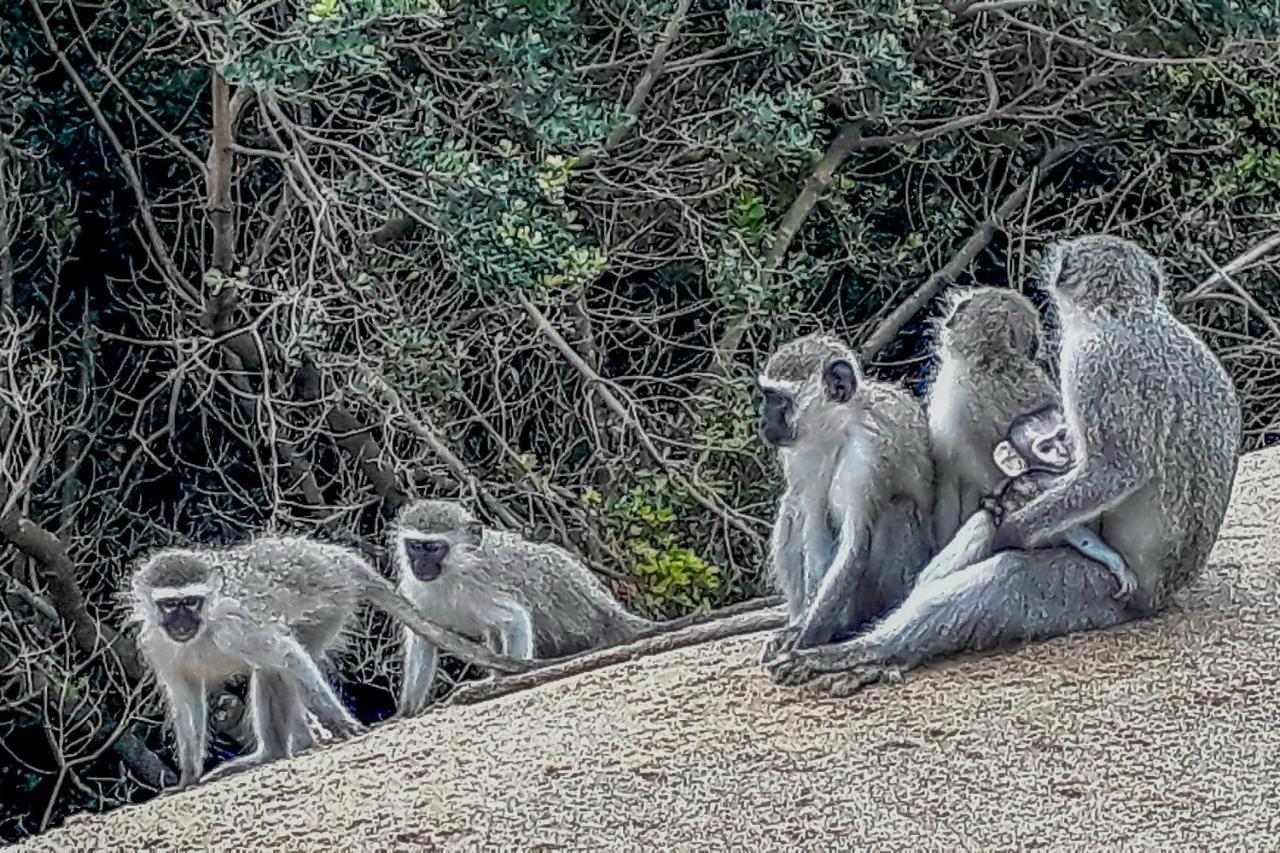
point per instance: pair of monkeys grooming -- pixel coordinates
(1038, 447)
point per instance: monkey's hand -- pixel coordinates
(799, 666)
(851, 681)
(992, 505)
(1010, 534)
(781, 642)
(1127, 579)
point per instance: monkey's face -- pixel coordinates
(181, 617)
(1044, 440)
(424, 556)
(783, 419)
(777, 417)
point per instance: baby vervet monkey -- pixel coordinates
(1037, 449)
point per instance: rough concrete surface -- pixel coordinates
(1164, 733)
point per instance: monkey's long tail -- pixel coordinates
(650, 628)
(718, 625)
(384, 596)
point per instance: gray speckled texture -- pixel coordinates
(1162, 733)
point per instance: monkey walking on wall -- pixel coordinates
(853, 527)
(1158, 424)
(526, 600)
(274, 608)
(1039, 448)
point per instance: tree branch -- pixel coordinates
(960, 261)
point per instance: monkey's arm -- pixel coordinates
(1078, 497)
(420, 659)
(786, 556)
(946, 506)
(187, 712)
(823, 617)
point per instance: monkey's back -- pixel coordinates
(1187, 435)
(572, 609)
(905, 460)
(307, 585)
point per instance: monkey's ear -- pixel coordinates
(841, 380)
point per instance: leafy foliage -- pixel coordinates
(563, 233)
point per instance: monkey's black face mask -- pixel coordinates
(426, 557)
(776, 428)
(180, 617)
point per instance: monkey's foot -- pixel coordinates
(238, 765)
(799, 666)
(781, 642)
(1127, 580)
(849, 682)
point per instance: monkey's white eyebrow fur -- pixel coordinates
(418, 536)
(161, 593)
(783, 385)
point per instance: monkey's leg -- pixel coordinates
(187, 711)
(971, 544)
(515, 627)
(1013, 597)
(269, 698)
(1091, 545)
(319, 696)
(420, 659)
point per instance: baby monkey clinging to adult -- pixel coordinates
(1037, 449)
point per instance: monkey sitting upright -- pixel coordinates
(1038, 448)
(853, 527)
(1158, 426)
(274, 608)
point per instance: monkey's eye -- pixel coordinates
(192, 602)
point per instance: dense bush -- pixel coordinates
(280, 265)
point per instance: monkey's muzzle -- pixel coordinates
(426, 558)
(775, 427)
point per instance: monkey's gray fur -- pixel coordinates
(529, 600)
(987, 375)
(274, 607)
(1157, 423)
(853, 527)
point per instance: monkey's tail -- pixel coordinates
(384, 596)
(708, 627)
(650, 628)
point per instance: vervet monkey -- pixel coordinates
(1038, 449)
(853, 526)
(527, 600)
(987, 375)
(1157, 425)
(274, 607)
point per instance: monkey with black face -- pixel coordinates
(273, 608)
(527, 600)
(1157, 426)
(1039, 448)
(853, 526)
(987, 375)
